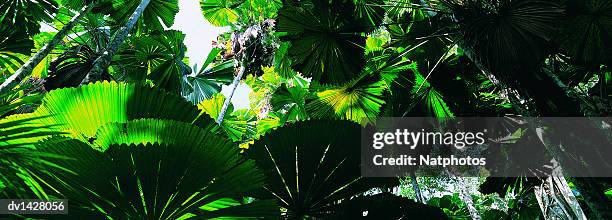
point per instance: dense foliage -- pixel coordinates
(106, 111)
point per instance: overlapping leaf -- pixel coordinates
(325, 39)
(140, 181)
(310, 166)
(158, 57)
(359, 100)
(157, 15)
(81, 111)
(26, 14)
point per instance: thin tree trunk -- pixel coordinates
(466, 197)
(415, 187)
(229, 98)
(104, 60)
(27, 68)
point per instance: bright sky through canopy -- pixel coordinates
(199, 36)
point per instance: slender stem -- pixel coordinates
(415, 187)
(229, 98)
(27, 68)
(104, 60)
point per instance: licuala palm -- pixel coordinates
(154, 169)
(312, 171)
(109, 137)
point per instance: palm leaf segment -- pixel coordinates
(155, 169)
(220, 12)
(27, 14)
(359, 101)
(12, 43)
(157, 56)
(310, 166)
(586, 35)
(81, 111)
(325, 39)
(506, 37)
(157, 15)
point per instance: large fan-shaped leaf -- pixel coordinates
(429, 99)
(153, 181)
(370, 10)
(325, 39)
(359, 101)
(507, 37)
(203, 85)
(588, 32)
(158, 57)
(143, 131)
(310, 166)
(81, 111)
(27, 14)
(220, 12)
(157, 15)
(18, 157)
(290, 100)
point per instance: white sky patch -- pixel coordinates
(199, 35)
(44, 27)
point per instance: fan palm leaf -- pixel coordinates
(586, 35)
(359, 100)
(506, 37)
(157, 15)
(156, 180)
(235, 127)
(311, 166)
(220, 12)
(12, 43)
(158, 57)
(27, 14)
(81, 111)
(325, 39)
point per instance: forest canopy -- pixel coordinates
(104, 110)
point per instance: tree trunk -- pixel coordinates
(27, 68)
(466, 196)
(229, 98)
(95, 74)
(415, 186)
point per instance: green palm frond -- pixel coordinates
(203, 83)
(586, 35)
(359, 100)
(325, 39)
(220, 12)
(12, 43)
(158, 57)
(145, 131)
(71, 67)
(27, 14)
(506, 37)
(81, 111)
(155, 181)
(19, 157)
(311, 166)
(156, 16)
(290, 101)
(429, 98)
